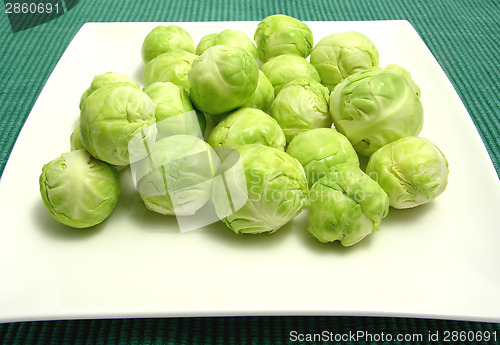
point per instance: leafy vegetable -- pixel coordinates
(301, 104)
(106, 79)
(277, 190)
(341, 54)
(263, 96)
(319, 149)
(282, 35)
(411, 170)
(176, 178)
(111, 117)
(222, 79)
(346, 205)
(375, 107)
(78, 190)
(75, 140)
(228, 37)
(169, 67)
(247, 126)
(170, 101)
(164, 39)
(285, 68)
(406, 74)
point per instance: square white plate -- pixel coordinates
(440, 260)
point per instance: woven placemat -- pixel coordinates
(462, 35)
(250, 330)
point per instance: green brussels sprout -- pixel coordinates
(247, 126)
(206, 42)
(375, 107)
(263, 96)
(106, 79)
(169, 67)
(346, 205)
(75, 140)
(411, 170)
(282, 35)
(174, 112)
(341, 54)
(75, 143)
(112, 117)
(176, 178)
(222, 79)
(277, 190)
(319, 149)
(405, 73)
(78, 190)
(301, 104)
(283, 69)
(164, 39)
(231, 38)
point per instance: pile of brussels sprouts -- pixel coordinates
(297, 125)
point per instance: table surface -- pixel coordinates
(462, 35)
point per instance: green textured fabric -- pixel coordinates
(239, 331)
(463, 36)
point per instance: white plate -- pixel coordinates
(440, 260)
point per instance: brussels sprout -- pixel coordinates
(319, 149)
(277, 190)
(169, 67)
(111, 117)
(263, 96)
(78, 190)
(75, 143)
(346, 205)
(341, 54)
(75, 140)
(206, 42)
(301, 104)
(175, 179)
(231, 38)
(280, 34)
(106, 79)
(375, 107)
(164, 39)
(172, 101)
(285, 68)
(411, 170)
(222, 79)
(405, 73)
(247, 126)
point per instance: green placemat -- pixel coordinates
(250, 330)
(462, 35)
